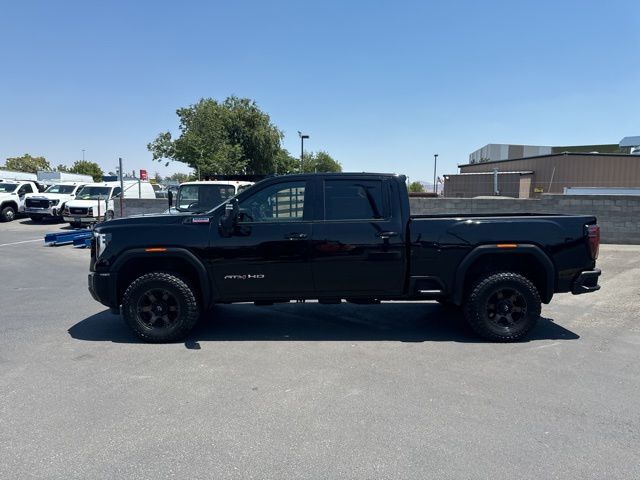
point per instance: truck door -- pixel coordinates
(269, 253)
(359, 244)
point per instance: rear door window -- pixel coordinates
(354, 200)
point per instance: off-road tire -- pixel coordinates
(185, 300)
(483, 301)
(7, 214)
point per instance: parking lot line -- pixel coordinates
(24, 241)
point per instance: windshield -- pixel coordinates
(60, 189)
(7, 187)
(93, 193)
(202, 198)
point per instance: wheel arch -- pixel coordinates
(526, 259)
(133, 263)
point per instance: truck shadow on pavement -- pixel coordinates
(398, 321)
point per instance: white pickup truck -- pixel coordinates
(51, 203)
(12, 197)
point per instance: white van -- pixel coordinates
(95, 201)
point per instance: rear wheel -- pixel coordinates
(7, 214)
(160, 307)
(503, 307)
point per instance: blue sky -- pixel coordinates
(380, 85)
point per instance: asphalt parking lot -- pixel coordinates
(399, 390)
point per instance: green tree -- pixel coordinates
(179, 177)
(320, 162)
(416, 187)
(27, 163)
(233, 136)
(285, 163)
(85, 167)
(62, 168)
(157, 177)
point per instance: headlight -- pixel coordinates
(53, 202)
(102, 240)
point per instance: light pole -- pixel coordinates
(302, 137)
(435, 165)
(83, 154)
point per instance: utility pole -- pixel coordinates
(435, 166)
(302, 137)
(121, 187)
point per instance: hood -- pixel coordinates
(48, 196)
(84, 203)
(148, 220)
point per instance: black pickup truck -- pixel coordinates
(335, 237)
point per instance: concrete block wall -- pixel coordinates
(139, 206)
(618, 216)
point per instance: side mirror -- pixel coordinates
(229, 218)
(170, 197)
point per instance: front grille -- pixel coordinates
(78, 211)
(36, 203)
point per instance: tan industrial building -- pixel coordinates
(552, 173)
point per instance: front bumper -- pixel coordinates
(41, 211)
(78, 219)
(586, 282)
(102, 288)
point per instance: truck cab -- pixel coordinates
(51, 203)
(12, 197)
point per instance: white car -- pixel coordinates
(95, 201)
(12, 197)
(51, 203)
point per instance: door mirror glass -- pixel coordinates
(229, 218)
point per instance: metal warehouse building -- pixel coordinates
(550, 173)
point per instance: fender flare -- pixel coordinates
(482, 250)
(206, 285)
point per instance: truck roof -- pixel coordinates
(218, 182)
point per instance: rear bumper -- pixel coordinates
(586, 282)
(102, 289)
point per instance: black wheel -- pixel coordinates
(35, 218)
(160, 307)
(7, 214)
(503, 307)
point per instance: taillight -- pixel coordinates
(593, 233)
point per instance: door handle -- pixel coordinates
(386, 235)
(295, 236)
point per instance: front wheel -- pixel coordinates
(503, 307)
(7, 214)
(160, 307)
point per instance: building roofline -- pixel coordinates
(551, 155)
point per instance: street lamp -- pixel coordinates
(435, 164)
(83, 154)
(302, 137)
